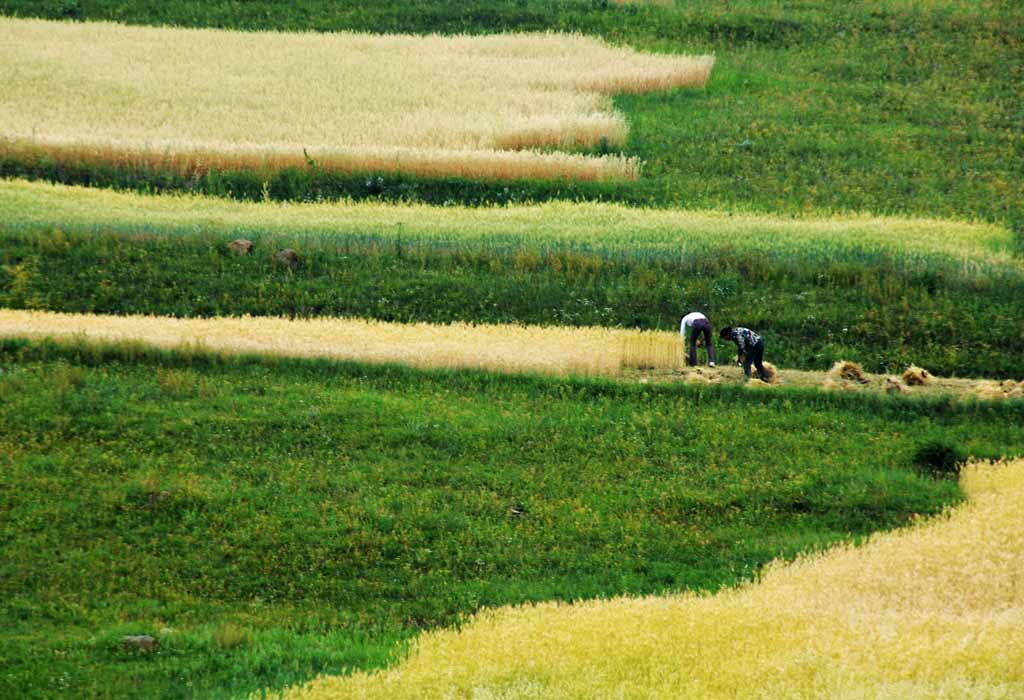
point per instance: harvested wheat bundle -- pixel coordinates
(833, 384)
(696, 378)
(916, 376)
(848, 371)
(987, 391)
(771, 374)
(996, 391)
(893, 386)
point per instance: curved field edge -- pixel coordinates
(643, 356)
(196, 100)
(241, 508)
(933, 611)
(612, 226)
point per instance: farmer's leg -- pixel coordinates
(746, 362)
(706, 330)
(756, 355)
(691, 341)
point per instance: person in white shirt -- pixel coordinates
(692, 326)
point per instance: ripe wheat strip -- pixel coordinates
(498, 347)
(198, 99)
(421, 162)
(933, 611)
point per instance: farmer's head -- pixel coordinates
(725, 333)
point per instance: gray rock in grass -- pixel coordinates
(287, 257)
(140, 642)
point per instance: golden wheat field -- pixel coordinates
(195, 99)
(610, 225)
(931, 612)
(497, 347)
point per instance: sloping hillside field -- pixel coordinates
(269, 520)
(833, 106)
(196, 100)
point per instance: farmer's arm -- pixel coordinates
(741, 347)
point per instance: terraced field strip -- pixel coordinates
(933, 611)
(195, 100)
(608, 225)
(503, 348)
(645, 356)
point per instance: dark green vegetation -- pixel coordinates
(268, 519)
(883, 310)
(939, 458)
(886, 107)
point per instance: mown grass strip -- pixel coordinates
(884, 619)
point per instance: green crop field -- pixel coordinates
(848, 183)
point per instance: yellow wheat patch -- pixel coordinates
(928, 613)
(509, 348)
(650, 350)
(607, 224)
(195, 99)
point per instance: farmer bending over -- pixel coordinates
(693, 325)
(751, 347)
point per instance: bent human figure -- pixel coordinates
(693, 325)
(750, 345)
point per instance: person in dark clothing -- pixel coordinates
(750, 345)
(691, 327)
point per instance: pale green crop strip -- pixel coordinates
(607, 225)
(932, 612)
(196, 99)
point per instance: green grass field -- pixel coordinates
(848, 183)
(271, 519)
